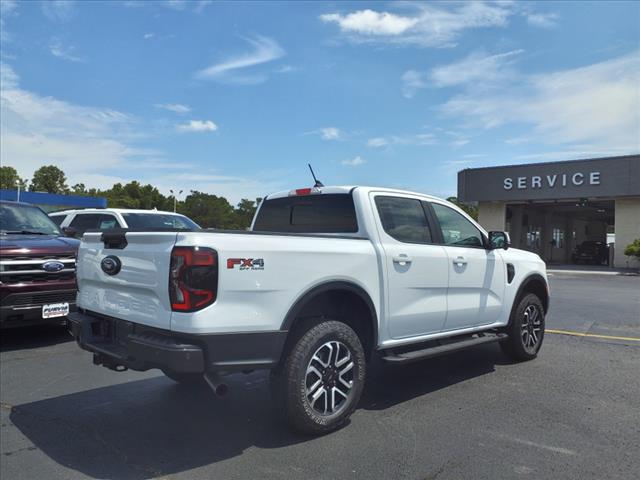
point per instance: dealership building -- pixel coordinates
(550, 208)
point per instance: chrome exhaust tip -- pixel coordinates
(217, 385)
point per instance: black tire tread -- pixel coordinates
(512, 347)
(285, 380)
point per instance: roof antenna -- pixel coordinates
(318, 182)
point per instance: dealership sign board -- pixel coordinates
(604, 177)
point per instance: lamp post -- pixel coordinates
(175, 199)
(18, 185)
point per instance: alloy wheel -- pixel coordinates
(531, 331)
(329, 378)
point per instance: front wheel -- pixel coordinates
(525, 329)
(321, 381)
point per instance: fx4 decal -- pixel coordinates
(246, 263)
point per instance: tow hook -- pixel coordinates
(217, 385)
(99, 359)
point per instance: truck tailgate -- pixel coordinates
(139, 291)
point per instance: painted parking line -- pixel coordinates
(592, 335)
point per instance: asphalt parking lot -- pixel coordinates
(572, 413)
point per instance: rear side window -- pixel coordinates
(330, 213)
(404, 219)
(57, 219)
(85, 221)
(107, 222)
(159, 220)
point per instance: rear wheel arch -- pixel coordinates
(338, 300)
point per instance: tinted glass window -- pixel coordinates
(85, 221)
(107, 222)
(159, 220)
(16, 218)
(329, 213)
(456, 229)
(404, 219)
(57, 219)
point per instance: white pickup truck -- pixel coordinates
(327, 279)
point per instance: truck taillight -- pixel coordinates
(193, 278)
(304, 191)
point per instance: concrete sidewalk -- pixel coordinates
(591, 270)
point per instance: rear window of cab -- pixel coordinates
(317, 213)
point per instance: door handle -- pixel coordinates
(460, 261)
(402, 259)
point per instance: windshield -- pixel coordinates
(159, 220)
(25, 219)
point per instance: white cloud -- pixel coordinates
(478, 67)
(36, 131)
(174, 107)
(426, 24)
(149, 35)
(412, 81)
(354, 162)
(57, 49)
(175, 4)
(95, 145)
(7, 9)
(368, 22)
(231, 70)
(377, 142)
(415, 139)
(59, 10)
(330, 133)
(198, 126)
(542, 20)
(598, 104)
(201, 5)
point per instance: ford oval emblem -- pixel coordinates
(111, 265)
(52, 266)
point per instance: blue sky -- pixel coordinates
(236, 98)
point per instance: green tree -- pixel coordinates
(471, 210)
(209, 211)
(49, 179)
(9, 178)
(633, 249)
(245, 211)
(79, 189)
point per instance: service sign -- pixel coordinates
(597, 178)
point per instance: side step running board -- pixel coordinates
(434, 351)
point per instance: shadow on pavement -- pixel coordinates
(33, 337)
(153, 427)
(391, 385)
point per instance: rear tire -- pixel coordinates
(185, 378)
(321, 381)
(525, 329)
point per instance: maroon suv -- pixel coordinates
(37, 267)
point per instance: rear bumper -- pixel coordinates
(118, 343)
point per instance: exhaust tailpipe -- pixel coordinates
(217, 385)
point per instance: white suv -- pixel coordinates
(76, 222)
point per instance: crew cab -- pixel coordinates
(37, 267)
(327, 279)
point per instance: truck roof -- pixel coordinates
(348, 188)
(112, 210)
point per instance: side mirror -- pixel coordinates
(69, 231)
(499, 239)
